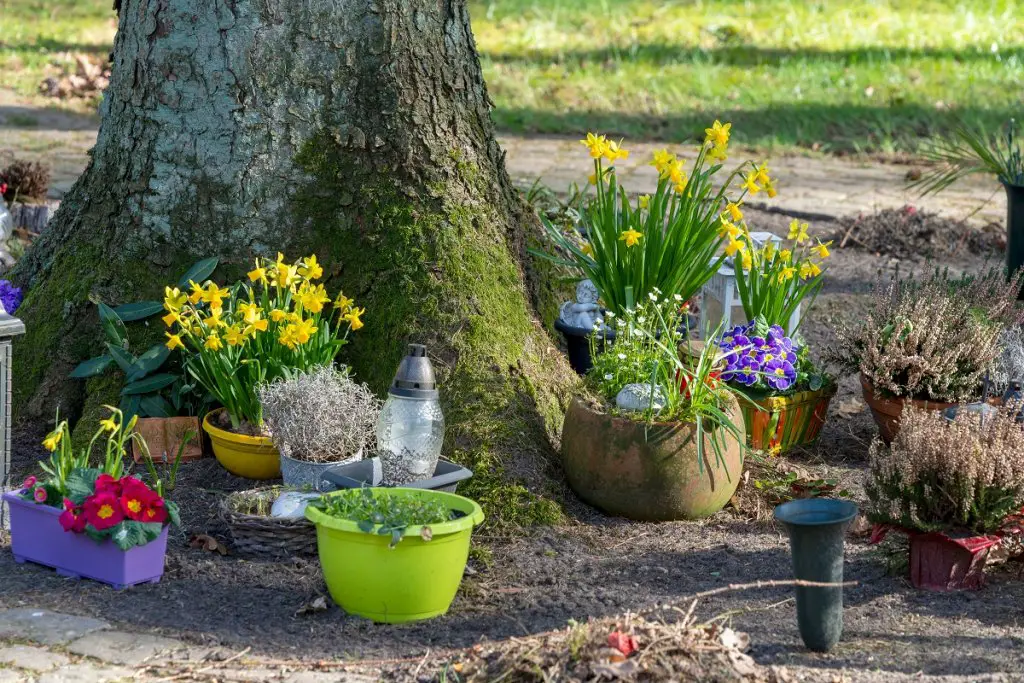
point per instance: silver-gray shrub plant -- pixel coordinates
(320, 416)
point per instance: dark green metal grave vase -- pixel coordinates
(817, 528)
(1014, 230)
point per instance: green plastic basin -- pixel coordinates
(415, 580)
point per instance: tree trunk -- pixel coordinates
(355, 129)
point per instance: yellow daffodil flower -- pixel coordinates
(746, 260)
(258, 273)
(213, 321)
(769, 188)
(587, 250)
(798, 231)
(312, 298)
(750, 183)
(731, 229)
(171, 318)
(174, 299)
(661, 161)
(806, 270)
(718, 134)
(277, 315)
(718, 154)
(52, 440)
(283, 275)
(304, 329)
(173, 341)
(213, 342)
(680, 187)
(822, 249)
(343, 303)
(734, 246)
(197, 292)
(644, 201)
(258, 326)
(109, 424)
(310, 269)
(631, 237)
(762, 175)
(733, 208)
(234, 336)
(249, 309)
(215, 295)
(286, 336)
(785, 255)
(768, 251)
(613, 151)
(597, 144)
(786, 273)
(353, 318)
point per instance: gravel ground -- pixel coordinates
(591, 566)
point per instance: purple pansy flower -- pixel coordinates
(779, 375)
(10, 296)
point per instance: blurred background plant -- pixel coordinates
(971, 149)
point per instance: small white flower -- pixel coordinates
(637, 333)
(641, 320)
(652, 296)
(678, 297)
(608, 376)
(622, 356)
(609, 314)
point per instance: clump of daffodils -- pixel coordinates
(773, 280)
(669, 241)
(279, 321)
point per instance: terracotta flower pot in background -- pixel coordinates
(648, 472)
(887, 410)
(939, 562)
(163, 437)
(778, 423)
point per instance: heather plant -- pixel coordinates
(319, 416)
(931, 339)
(942, 475)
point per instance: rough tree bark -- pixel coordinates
(356, 129)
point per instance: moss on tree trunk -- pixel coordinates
(358, 130)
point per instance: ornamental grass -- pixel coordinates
(942, 475)
(931, 340)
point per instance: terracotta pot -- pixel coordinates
(887, 410)
(163, 436)
(648, 472)
(941, 563)
(778, 423)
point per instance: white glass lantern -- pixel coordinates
(410, 429)
(720, 301)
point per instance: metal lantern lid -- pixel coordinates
(415, 376)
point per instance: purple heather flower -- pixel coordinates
(10, 296)
(779, 374)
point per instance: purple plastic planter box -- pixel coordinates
(37, 536)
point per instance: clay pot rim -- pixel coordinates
(866, 384)
(619, 418)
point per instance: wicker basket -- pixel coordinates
(260, 534)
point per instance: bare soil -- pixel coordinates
(593, 566)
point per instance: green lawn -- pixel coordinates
(37, 33)
(834, 75)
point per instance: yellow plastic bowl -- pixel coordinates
(252, 457)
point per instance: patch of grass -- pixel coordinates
(839, 76)
(38, 33)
